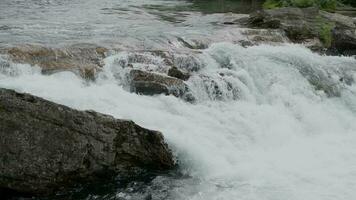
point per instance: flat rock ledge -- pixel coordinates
(83, 59)
(45, 146)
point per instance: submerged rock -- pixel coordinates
(84, 59)
(45, 146)
(148, 83)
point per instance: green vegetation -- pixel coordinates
(272, 4)
(348, 2)
(322, 4)
(1, 108)
(303, 3)
(325, 34)
(324, 29)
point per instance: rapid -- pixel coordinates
(270, 122)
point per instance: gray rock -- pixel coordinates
(263, 36)
(299, 24)
(148, 83)
(343, 33)
(83, 59)
(336, 32)
(175, 72)
(45, 146)
(344, 41)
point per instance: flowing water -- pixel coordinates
(270, 122)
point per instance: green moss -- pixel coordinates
(348, 2)
(303, 3)
(272, 4)
(325, 34)
(329, 5)
(324, 29)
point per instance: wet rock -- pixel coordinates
(190, 63)
(46, 146)
(229, 23)
(220, 88)
(343, 33)
(344, 42)
(192, 44)
(306, 25)
(263, 36)
(245, 43)
(84, 59)
(299, 24)
(148, 83)
(175, 72)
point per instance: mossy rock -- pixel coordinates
(328, 5)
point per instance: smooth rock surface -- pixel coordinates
(148, 83)
(84, 59)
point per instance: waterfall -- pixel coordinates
(269, 123)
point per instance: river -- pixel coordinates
(263, 127)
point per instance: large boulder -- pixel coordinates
(149, 83)
(343, 33)
(45, 146)
(344, 41)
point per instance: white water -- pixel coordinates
(280, 139)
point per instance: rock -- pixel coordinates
(148, 83)
(263, 36)
(229, 23)
(297, 23)
(175, 72)
(220, 88)
(189, 62)
(192, 44)
(84, 59)
(245, 43)
(344, 41)
(306, 25)
(339, 20)
(343, 34)
(45, 146)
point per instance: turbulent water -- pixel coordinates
(269, 123)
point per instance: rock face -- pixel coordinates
(175, 72)
(343, 34)
(148, 83)
(84, 59)
(263, 36)
(45, 146)
(306, 25)
(299, 24)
